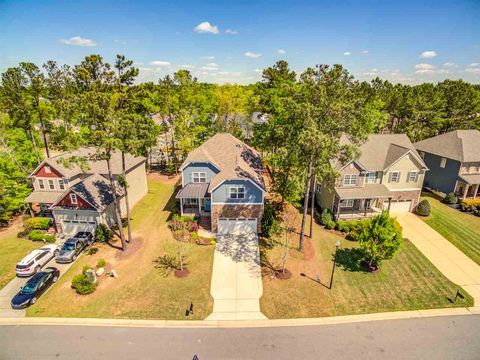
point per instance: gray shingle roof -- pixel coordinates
(380, 151)
(234, 159)
(471, 179)
(460, 145)
(43, 197)
(96, 190)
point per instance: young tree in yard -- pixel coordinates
(182, 237)
(289, 227)
(380, 239)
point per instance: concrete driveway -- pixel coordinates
(453, 263)
(9, 291)
(236, 279)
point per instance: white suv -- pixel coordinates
(33, 262)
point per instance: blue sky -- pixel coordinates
(231, 41)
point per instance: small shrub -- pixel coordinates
(450, 198)
(37, 223)
(464, 207)
(103, 233)
(192, 226)
(92, 251)
(475, 202)
(423, 208)
(330, 225)
(101, 263)
(83, 285)
(37, 235)
(270, 222)
(342, 226)
(326, 217)
(85, 268)
(194, 236)
(23, 234)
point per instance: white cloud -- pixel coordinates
(231, 32)
(365, 52)
(258, 70)
(252, 55)
(347, 53)
(473, 70)
(208, 57)
(281, 51)
(206, 27)
(474, 65)
(210, 67)
(160, 64)
(79, 41)
(450, 65)
(428, 54)
(186, 66)
(424, 69)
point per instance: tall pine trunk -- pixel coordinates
(312, 209)
(44, 135)
(127, 202)
(35, 147)
(115, 204)
(305, 206)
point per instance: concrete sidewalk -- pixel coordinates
(453, 263)
(236, 278)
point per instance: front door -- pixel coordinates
(207, 205)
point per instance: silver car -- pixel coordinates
(71, 249)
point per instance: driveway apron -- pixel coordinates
(453, 263)
(236, 279)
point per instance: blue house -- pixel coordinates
(454, 162)
(222, 183)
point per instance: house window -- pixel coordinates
(350, 180)
(41, 184)
(192, 201)
(422, 154)
(51, 184)
(413, 176)
(443, 162)
(61, 184)
(236, 192)
(395, 177)
(47, 169)
(73, 199)
(199, 177)
(371, 177)
(347, 203)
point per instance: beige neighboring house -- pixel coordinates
(388, 176)
(79, 198)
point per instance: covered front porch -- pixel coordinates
(468, 187)
(362, 202)
(194, 200)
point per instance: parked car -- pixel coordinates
(33, 262)
(86, 235)
(71, 249)
(35, 287)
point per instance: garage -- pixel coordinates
(399, 206)
(74, 226)
(237, 226)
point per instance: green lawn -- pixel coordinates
(462, 230)
(12, 249)
(141, 291)
(407, 282)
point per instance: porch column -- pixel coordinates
(338, 209)
(181, 206)
(476, 191)
(389, 204)
(199, 207)
(465, 191)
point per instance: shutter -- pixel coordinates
(399, 175)
(389, 177)
(408, 176)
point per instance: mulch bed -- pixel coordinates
(279, 274)
(181, 273)
(368, 268)
(203, 242)
(132, 248)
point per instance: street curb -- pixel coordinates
(240, 323)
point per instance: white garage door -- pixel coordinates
(71, 227)
(399, 206)
(237, 226)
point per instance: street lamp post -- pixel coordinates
(337, 245)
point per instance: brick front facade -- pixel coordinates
(413, 195)
(236, 211)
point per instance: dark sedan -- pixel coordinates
(35, 287)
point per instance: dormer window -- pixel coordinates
(350, 180)
(199, 177)
(48, 170)
(236, 192)
(443, 162)
(73, 199)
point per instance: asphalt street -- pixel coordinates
(452, 337)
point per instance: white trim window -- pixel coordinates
(61, 184)
(443, 162)
(236, 192)
(348, 203)
(41, 184)
(413, 176)
(191, 201)
(48, 170)
(51, 184)
(73, 199)
(199, 177)
(394, 177)
(371, 177)
(350, 180)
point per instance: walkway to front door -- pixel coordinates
(236, 280)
